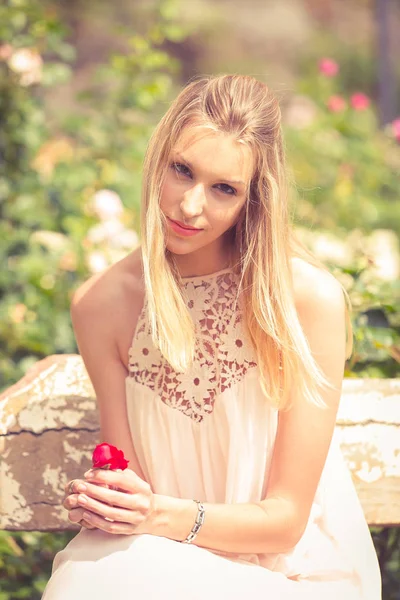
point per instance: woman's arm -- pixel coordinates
(104, 311)
(303, 438)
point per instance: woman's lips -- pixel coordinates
(182, 230)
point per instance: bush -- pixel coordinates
(347, 191)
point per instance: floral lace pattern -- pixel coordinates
(222, 354)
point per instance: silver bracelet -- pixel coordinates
(197, 524)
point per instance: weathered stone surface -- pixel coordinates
(368, 427)
(49, 427)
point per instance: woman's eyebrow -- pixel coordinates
(189, 164)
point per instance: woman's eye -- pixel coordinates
(181, 169)
(227, 189)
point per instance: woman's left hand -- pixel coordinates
(129, 505)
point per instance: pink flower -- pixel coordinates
(328, 67)
(6, 51)
(336, 104)
(396, 129)
(360, 101)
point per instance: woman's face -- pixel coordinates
(205, 188)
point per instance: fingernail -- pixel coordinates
(82, 499)
(81, 487)
(89, 474)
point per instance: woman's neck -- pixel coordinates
(197, 264)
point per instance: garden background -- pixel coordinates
(81, 86)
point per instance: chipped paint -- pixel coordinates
(378, 445)
(14, 400)
(37, 419)
(13, 506)
(368, 474)
(366, 400)
(59, 513)
(55, 478)
(7, 421)
(42, 399)
(74, 453)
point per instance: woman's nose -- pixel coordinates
(193, 200)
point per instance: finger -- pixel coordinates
(70, 501)
(126, 480)
(75, 515)
(111, 527)
(130, 501)
(71, 487)
(67, 489)
(86, 525)
(114, 513)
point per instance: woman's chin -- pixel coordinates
(180, 248)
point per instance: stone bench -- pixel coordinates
(49, 427)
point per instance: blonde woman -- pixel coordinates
(217, 353)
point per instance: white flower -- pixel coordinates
(52, 240)
(107, 205)
(97, 262)
(127, 238)
(383, 246)
(27, 63)
(105, 232)
(114, 235)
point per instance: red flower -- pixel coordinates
(106, 456)
(336, 103)
(360, 101)
(328, 67)
(396, 129)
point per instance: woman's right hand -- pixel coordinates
(70, 503)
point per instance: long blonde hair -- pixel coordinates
(245, 108)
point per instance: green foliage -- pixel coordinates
(347, 170)
(387, 545)
(376, 321)
(25, 562)
(347, 192)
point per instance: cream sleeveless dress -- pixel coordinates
(209, 434)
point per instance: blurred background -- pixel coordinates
(82, 84)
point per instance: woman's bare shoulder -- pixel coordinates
(118, 281)
(113, 297)
(312, 285)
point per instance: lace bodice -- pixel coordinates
(223, 354)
